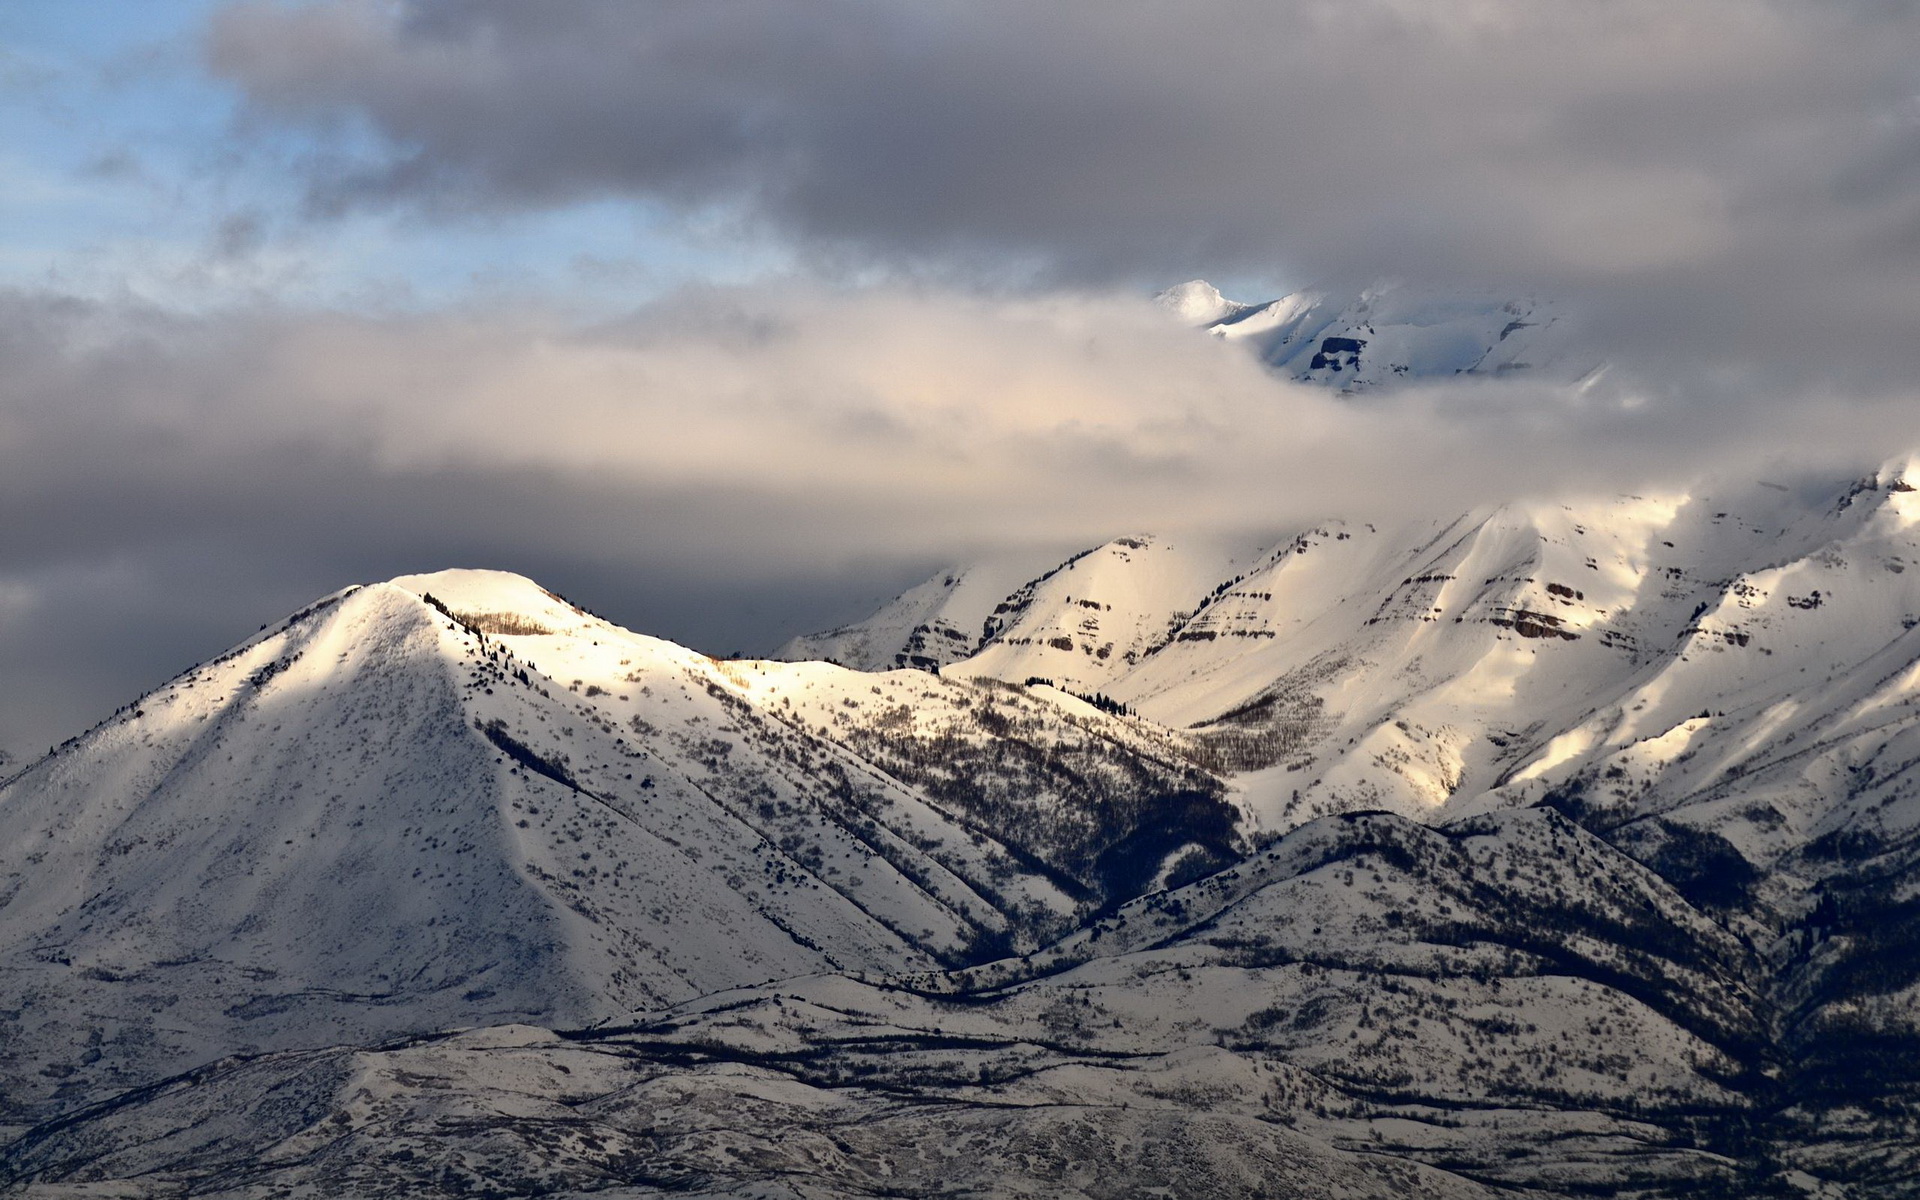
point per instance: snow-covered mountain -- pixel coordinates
(1563, 847)
(457, 799)
(1486, 659)
(1389, 332)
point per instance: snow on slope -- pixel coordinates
(1362, 1010)
(1483, 660)
(1492, 658)
(1401, 667)
(929, 625)
(1528, 646)
(1197, 302)
(1108, 806)
(1086, 622)
(457, 798)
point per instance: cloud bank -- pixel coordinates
(1716, 179)
(725, 467)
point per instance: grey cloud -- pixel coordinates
(127, 559)
(1753, 158)
(238, 235)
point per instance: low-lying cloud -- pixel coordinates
(724, 467)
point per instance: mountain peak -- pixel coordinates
(498, 602)
(1198, 302)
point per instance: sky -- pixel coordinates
(729, 318)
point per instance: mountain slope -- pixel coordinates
(1367, 1008)
(456, 799)
(1680, 642)
(1089, 620)
(1675, 645)
(929, 625)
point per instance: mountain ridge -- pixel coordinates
(1620, 621)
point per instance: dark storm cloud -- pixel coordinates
(1757, 159)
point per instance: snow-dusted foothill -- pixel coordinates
(1367, 1008)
